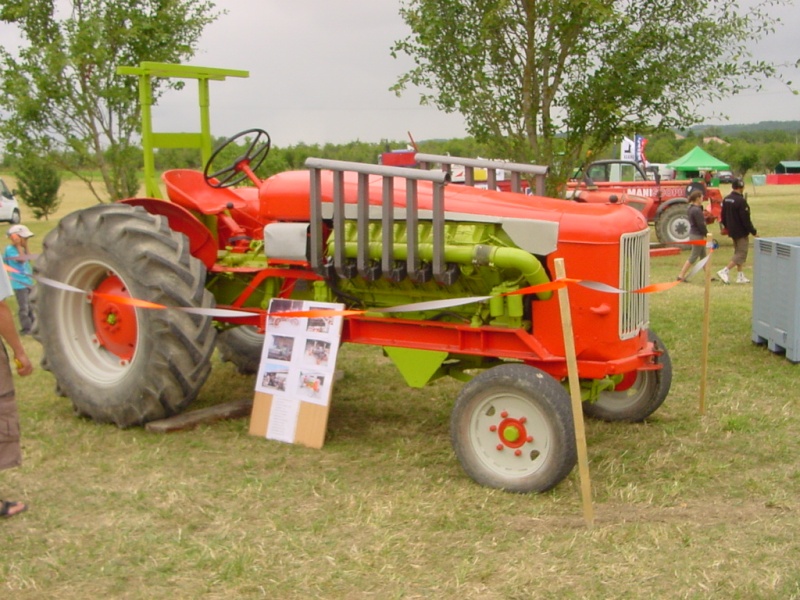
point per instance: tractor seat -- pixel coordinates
(188, 188)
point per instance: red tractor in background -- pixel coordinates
(663, 203)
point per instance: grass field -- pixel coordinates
(687, 506)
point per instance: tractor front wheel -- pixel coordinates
(242, 346)
(638, 395)
(119, 363)
(511, 428)
(672, 225)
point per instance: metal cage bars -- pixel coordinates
(364, 266)
(426, 161)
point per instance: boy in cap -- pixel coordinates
(16, 257)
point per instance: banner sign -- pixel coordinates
(295, 377)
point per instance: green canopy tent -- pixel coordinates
(697, 160)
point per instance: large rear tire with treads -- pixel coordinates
(119, 363)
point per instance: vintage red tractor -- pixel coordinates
(663, 203)
(371, 237)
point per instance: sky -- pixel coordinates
(320, 72)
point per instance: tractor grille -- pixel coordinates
(634, 273)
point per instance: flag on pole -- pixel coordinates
(640, 143)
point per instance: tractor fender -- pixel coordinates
(201, 242)
(667, 203)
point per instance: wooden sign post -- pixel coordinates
(706, 328)
(575, 395)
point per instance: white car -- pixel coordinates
(9, 209)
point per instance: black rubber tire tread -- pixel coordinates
(665, 220)
(655, 386)
(543, 392)
(173, 352)
(241, 346)
(15, 217)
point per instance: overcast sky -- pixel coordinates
(320, 71)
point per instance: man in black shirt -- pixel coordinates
(736, 220)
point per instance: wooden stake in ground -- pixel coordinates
(575, 395)
(706, 320)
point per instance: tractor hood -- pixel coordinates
(535, 223)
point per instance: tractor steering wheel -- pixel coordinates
(253, 156)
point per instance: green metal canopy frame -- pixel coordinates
(150, 139)
(697, 159)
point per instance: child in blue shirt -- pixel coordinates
(16, 257)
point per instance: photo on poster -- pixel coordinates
(313, 387)
(278, 322)
(317, 353)
(321, 325)
(272, 378)
(280, 347)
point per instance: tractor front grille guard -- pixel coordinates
(634, 274)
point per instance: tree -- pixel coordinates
(39, 182)
(550, 82)
(61, 93)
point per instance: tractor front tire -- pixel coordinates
(512, 429)
(119, 363)
(242, 346)
(672, 226)
(640, 396)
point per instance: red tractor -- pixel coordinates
(372, 237)
(663, 203)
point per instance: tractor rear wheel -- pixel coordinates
(118, 363)
(511, 428)
(672, 225)
(241, 346)
(639, 395)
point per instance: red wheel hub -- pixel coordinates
(114, 321)
(511, 433)
(628, 379)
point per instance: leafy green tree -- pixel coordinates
(38, 183)
(177, 158)
(61, 91)
(541, 81)
(770, 154)
(741, 156)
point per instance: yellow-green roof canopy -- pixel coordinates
(698, 159)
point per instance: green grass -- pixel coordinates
(687, 506)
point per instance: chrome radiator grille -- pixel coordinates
(634, 273)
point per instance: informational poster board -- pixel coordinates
(295, 378)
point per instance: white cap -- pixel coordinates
(20, 230)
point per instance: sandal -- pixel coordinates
(12, 509)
